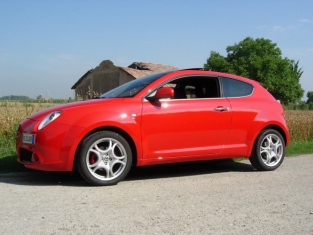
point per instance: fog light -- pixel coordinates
(35, 158)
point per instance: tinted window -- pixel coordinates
(195, 87)
(235, 88)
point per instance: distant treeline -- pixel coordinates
(15, 97)
(22, 98)
(299, 106)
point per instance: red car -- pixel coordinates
(170, 117)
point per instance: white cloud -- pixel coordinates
(286, 28)
(305, 21)
(280, 29)
(277, 29)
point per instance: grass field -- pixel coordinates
(300, 124)
(11, 114)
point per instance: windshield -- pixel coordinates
(130, 89)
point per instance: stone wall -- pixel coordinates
(125, 77)
(82, 90)
(105, 77)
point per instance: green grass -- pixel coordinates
(9, 164)
(299, 147)
(8, 156)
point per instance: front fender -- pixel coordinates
(132, 129)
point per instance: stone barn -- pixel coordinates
(107, 76)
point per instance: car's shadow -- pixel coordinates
(38, 178)
(187, 169)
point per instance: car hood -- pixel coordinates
(75, 105)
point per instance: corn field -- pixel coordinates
(300, 122)
(11, 114)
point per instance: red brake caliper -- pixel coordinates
(92, 158)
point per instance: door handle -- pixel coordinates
(221, 109)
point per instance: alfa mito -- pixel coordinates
(170, 117)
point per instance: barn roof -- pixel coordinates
(141, 69)
(82, 78)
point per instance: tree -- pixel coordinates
(295, 68)
(303, 105)
(310, 97)
(261, 60)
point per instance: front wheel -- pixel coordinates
(104, 158)
(269, 150)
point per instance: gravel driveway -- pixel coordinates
(217, 197)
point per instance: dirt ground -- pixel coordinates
(217, 197)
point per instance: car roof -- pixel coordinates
(202, 71)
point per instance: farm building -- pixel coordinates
(107, 76)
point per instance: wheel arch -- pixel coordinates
(274, 127)
(280, 130)
(117, 130)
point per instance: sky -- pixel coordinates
(46, 46)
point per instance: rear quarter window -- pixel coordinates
(235, 88)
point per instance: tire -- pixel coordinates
(268, 151)
(104, 158)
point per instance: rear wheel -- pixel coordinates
(269, 150)
(104, 158)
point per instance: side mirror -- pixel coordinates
(162, 93)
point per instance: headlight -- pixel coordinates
(49, 118)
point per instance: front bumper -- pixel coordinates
(54, 147)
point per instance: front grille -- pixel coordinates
(25, 155)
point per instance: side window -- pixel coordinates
(195, 87)
(235, 88)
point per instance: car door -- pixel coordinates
(186, 126)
